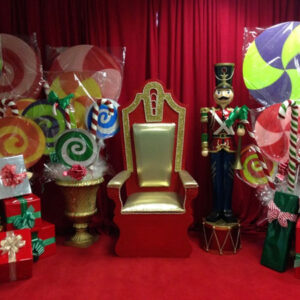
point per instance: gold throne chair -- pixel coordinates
(153, 194)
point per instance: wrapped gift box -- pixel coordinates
(43, 241)
(13, 178)
(15, 255)
(23, 212)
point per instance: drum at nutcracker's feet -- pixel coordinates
(220, 237)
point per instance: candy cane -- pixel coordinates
(292, 167)
(259, 155)
(109, 105)
(94, 122)
(67, 114)
(8, 103)
(2, 111)
(68, 118)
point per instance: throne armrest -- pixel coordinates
(188, 189)
(114, 188)
(119, 179)
(187, 180)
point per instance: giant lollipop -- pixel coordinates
(252, 172)
(86, 70)
(20, 135)
(272, 134)
(107, 122)
(76, 146)
(22, 72)
(42, 113)
(271, 67)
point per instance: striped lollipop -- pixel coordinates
(22, 71)
(271, 64)
(20, 135)
(108, 122)
(252, 172)
(76, 146)
(293, 153)
(42, 113)
(86, 70)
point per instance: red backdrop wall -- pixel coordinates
(176, 41)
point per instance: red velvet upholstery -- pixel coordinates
(148, 233)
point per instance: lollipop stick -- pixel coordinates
(293, 141)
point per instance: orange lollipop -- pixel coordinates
(19, 135)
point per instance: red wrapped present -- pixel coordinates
(43, 241)
(297, 250)
(15, 255)
(23, 212)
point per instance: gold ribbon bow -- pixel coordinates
(11, 245)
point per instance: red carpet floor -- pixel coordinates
(95, 273)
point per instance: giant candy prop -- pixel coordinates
(19, 135)
(41, 112)
(271, 65)
(22, 72)
(85, 70)
(272, 133)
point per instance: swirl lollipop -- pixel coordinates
(271, 64)
(86, 70)
(76, 146)
(52, 126)
(22, 72)
(252, 172)
(20, 135)
(272, 134)
(108, 123)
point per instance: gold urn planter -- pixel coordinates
(80, 205)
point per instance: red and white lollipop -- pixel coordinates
(272, 134)
(94, 63)
(21, 75)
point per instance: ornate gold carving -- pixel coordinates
(157, 116)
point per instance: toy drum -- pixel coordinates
(221, 237)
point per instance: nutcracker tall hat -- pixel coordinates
(224, 73)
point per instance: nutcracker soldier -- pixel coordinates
(218, 140)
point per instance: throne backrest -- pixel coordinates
(153, 138)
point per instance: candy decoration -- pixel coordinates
(76, 146)
(63, 103)
(21, 105)
(79, 83)
(52, 126)
(20, 135)
(293, 154)
(94, 121)
(86, 70)
(80, 105)
(108, 124)
(271, 64)
(253, 172)
(5, 103)
(22, 72)
(272, 133)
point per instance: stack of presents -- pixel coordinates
(24, 236)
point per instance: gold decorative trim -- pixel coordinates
(157, 116)
(80, 183)
(80, 215)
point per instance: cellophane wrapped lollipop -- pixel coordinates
(21, 69)
(89, 73)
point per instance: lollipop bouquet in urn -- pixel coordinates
(76, 164)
